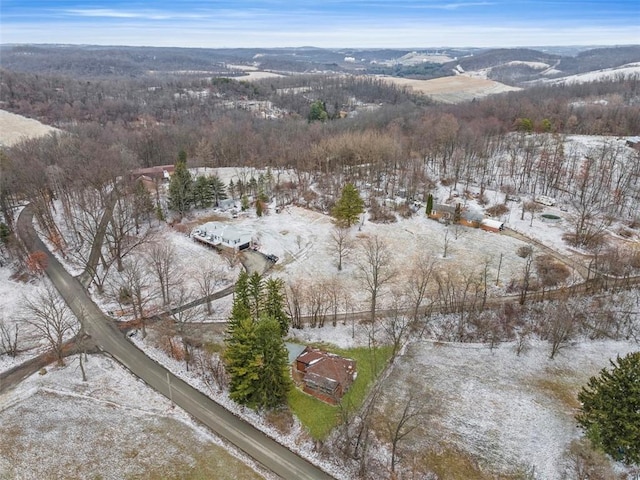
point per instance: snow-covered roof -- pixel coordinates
(491, 223)
(223, 233)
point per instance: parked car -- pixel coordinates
(513, 198)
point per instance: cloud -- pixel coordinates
(457, 6)
(124, 14)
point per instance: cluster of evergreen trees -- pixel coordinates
(255, 356)
(185, 192)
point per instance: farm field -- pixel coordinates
(15, 128)
(457, 89)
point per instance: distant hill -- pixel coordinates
(514, 66)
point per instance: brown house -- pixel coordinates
(324, 375)
(159, 172)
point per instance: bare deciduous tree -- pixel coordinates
(341, 243)
(182, 318)
(51, 318)
(375, 271)
(162, 260)
(399, 427)
(209, 277)
(419, 278)
(396, 327)
(8, 339)
(212, 370)
(134, 285)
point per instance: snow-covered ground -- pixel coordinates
(111, 426)
(480, 389)
(12, 293)
(508, 411)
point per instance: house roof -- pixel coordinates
(294, 350)
(327, 369)
(492, 223)
(157, 171)
(228, 234)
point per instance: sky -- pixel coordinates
(327, 23)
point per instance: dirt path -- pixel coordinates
(578, 267)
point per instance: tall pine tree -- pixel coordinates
(610, 413)
(349, 207)
(274, 303)
(181, 186)
(255, 355)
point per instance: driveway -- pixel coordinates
(109, 339)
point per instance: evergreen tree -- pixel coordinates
(457, 214)
(202, 194)
(181, 186)
(142, 204)
(255, 288)
(218, 189)
(318, 112)
(5, 233)
(243, 362)
(241, 306)
(274, 303)
(610, 414)
(349, 207)
(273, 372)
(244, 203)
(255, 355)
(429, 204)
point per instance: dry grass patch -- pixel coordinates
(449, 462)
(562, 385)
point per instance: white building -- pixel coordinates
(223, 235)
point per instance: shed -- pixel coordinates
(491, 225)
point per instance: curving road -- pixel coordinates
(101, 328)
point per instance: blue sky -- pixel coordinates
(328, 23)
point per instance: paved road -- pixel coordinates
(101, 328)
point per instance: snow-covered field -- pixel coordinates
(507, 411)
(112, 426)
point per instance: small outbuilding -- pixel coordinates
(491, 225)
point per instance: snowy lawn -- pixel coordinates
(111, 427)
(506, 412)
(12, 293)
